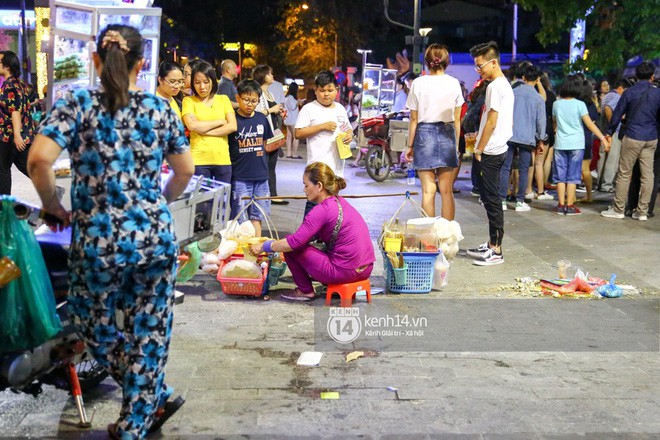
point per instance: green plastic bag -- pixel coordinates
(28, 316)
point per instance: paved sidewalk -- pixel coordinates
(577, 368)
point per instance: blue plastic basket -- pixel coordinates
(419, 276)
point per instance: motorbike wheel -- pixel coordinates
(378, 163)
(90, 373)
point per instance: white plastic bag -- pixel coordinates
(441, 272)
(226, 249)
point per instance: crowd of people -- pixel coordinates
(123, 252)
(530, 140)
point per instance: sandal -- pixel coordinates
(164, 413)
(352, 165)
(112, 431)
(289, 157)
(296, 295)
(298, 157)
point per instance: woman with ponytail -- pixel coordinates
(435, 101)
(122, 259)
(349, 254)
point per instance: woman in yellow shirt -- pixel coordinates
(210, 118)
(170, 82)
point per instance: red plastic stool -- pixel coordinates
(347, 292)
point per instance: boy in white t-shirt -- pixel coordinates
(320, 122)
(495, 130)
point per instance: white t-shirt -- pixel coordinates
(322, 147)
(499, 97)
(434, 97)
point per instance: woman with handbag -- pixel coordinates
(349, 254)
(263, 74)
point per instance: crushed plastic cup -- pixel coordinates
(400, 275)
(562, 268)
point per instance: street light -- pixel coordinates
(424, 32)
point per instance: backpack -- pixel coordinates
(470, 122)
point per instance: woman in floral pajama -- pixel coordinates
(123, 249)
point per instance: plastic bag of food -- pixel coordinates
(242, 269)
(610, 290)
(28, 316)
(226, 249)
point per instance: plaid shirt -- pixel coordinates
(14, 98)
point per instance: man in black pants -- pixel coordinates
(16, 124)
(495, 130)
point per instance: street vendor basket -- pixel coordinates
(243, 286)
(416, 273)
(273, 265)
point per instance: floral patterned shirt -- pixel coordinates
(120, 217)
(14, 98)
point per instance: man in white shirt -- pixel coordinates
(320, 122)
(495, 130)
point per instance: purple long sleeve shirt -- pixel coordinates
(353, 247)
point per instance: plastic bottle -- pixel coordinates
(410, 176)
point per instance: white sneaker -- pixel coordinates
(522, 207)
(641, 218)
(544, 196)
(530, 196)
(504, 206)
(611, 213)
(479, 251)
(490, 258)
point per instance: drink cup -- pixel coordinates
(9, 271)
(562, 268)
(470, 141)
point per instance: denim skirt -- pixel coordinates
(434, 146)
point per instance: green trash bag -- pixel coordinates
(28, 316)
(188, 268)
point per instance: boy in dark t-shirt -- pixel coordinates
(247, 149)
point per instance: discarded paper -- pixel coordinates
(354, 355)
(310, 358)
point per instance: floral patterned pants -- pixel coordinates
(125, 317)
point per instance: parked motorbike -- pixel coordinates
(386, 136)
(62, 361)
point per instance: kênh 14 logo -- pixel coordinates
(345, 326)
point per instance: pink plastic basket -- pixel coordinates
(242, 286)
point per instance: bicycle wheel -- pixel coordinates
(378, 163)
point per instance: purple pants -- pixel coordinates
(309, 264)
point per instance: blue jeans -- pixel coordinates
(524, 159)
(247, 188)
(567, 167)
(221, 173)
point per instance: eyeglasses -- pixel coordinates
(478, 68)
(250, 101)
(174, 83)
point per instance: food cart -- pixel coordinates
(382, 137)
(74, 27)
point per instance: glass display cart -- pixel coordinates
(74, 26)
(378, 90)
